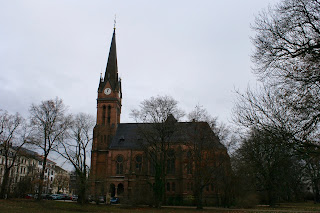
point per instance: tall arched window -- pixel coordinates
(152, 163)
(189, 163)
(104, 115)
(171, 162)
(173, 186)
(138, 160)
(109, 113)
(120, 188)
(119, 161)
(112, 190)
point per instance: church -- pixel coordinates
(120, 166)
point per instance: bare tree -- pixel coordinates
(160, 114)
(76, 150)
(287, 56)
(207, 158)
(225, 133)
(61, 181)
(13, 133)
(266, 110)
(270, 143)
(49, 127)
(283, 114)
(271, 167)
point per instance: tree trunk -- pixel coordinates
(198, 196)
(42, 177)
(82, 188)
(158, 187)
(4, 185)
(316, 191)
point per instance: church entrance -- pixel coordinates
(120, 188)
(112, 190)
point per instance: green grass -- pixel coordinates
(32, 206)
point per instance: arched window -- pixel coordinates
(189, 163)
(138, 160)
(168, 187)
(152, 163)
(112, 190)
(109, 113)
(120, 188)
(119, 161)
(173, 186)
(104, 115)
(171, 162)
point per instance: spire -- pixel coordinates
(111, 73)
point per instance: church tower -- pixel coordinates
(108, 118)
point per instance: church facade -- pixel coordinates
(121, 167)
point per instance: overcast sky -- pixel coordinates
(198, 52)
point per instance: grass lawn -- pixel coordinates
(26, 206)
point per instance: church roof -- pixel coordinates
(134, 135)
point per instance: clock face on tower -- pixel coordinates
(107, 91)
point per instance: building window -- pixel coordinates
(168, 187)
(51, 172)
(173, 186)
(103, 115)
(120, 188)
(138, 163)
(171, 162)
(109, 113)
(152, 163)
(189, 163)
(119, 164)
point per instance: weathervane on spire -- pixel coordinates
(115, 21)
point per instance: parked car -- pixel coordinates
(101, 199)
(56, 197)
(29, 196)
(74, 197)
(65, 197)
(114, 200)
(45, 196)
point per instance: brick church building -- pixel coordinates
(119, 164)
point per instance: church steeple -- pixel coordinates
(111, 73)
(109, 91)
(108, 117)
